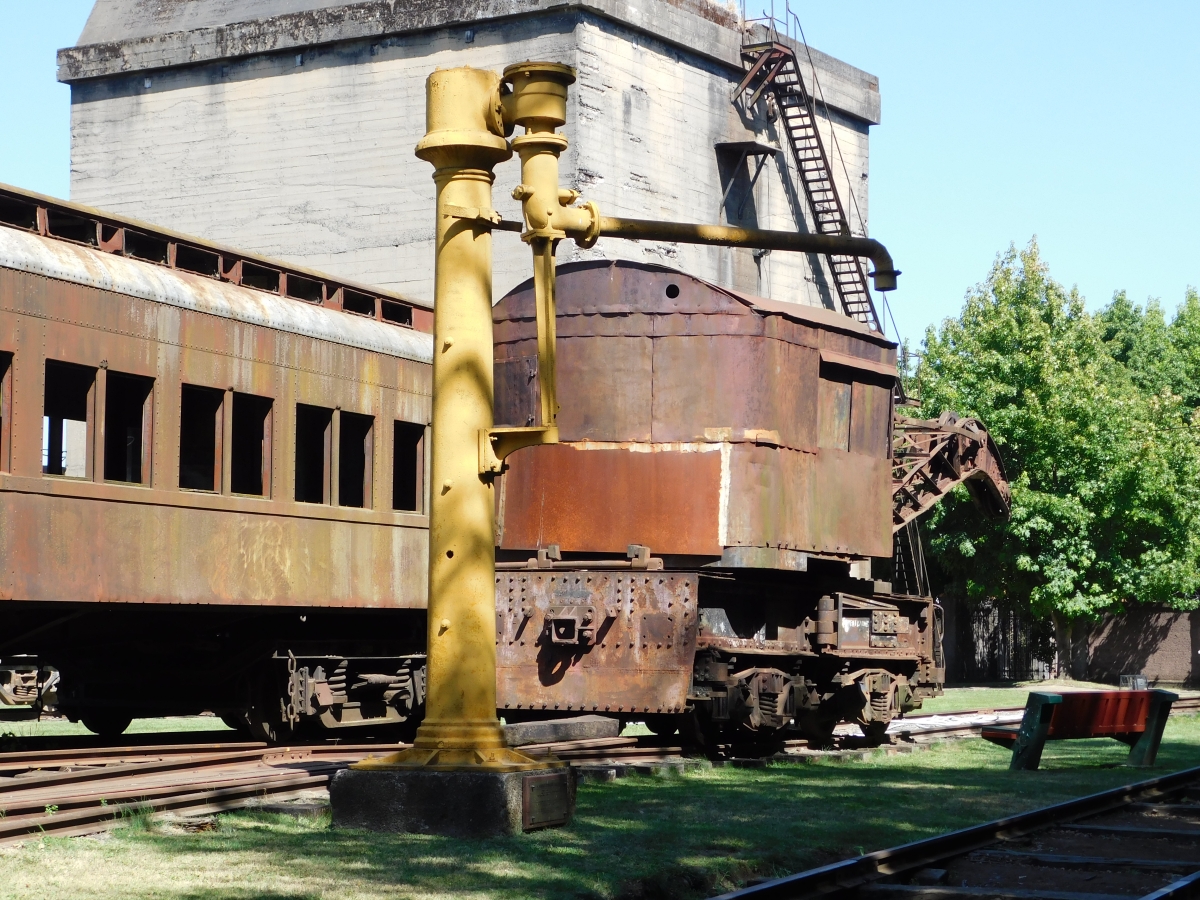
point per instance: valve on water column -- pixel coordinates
(533, 96)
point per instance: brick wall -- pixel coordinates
(1163, 645)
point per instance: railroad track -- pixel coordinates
(1138, 841)
(66, 792)
(84, 789)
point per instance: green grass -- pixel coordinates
(61, 727)
(677, 837)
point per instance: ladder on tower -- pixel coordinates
(773, 70)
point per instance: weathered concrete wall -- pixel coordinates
(1163, 645)
(305, 153)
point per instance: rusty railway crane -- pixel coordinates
(699, 550)
(213, 495)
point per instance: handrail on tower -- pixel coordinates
(774, 71)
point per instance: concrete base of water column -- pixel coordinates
(455, 804)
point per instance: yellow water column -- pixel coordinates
(459, 758)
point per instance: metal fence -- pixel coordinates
(997, 644)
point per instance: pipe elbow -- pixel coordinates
(885, 273)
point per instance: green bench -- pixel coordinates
(1136, 718)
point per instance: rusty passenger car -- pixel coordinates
(211, 477)
(698, 550)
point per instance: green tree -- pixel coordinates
(1101, 453)
(1141, 341)
(1184, 335)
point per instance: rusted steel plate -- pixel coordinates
(634, 655)
(604, 388)
(768, 498)
(850, 504)
(78, 548)
(517, 394)
(706, 382)
(870, 420)
(827, 502)
(86, 540)
(581, 499)
(833, 413)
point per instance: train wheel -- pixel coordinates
(663, 726)
(817, 729)
(874, 732)
(106, 723)
(265, 724)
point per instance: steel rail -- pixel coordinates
(19, 759)
(137, 790)
(862, 870)
(108, 773)
(93, 799)
(99, 818)
(23, 760)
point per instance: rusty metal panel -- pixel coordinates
(834, 398)
(604, 388)
(827, 502)
(582, 500)
(636, 655)
(768, 499)
(517, 395)
(95, 548)
(871, 420)
(850, 504)
(743, 383)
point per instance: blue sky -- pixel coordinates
(1077, 122)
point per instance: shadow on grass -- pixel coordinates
(685, 837)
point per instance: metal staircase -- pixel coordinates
(773, 70)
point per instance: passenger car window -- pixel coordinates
(128, 411)
(408, 466)
(355, 457)
(250, 467)
(67, 419)
(314, 437)
(200, 434)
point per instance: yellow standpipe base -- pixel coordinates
(501, 759)
(459, 746)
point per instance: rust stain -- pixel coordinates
(579, 498)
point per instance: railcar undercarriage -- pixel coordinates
(270, 672)
(720, 655)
